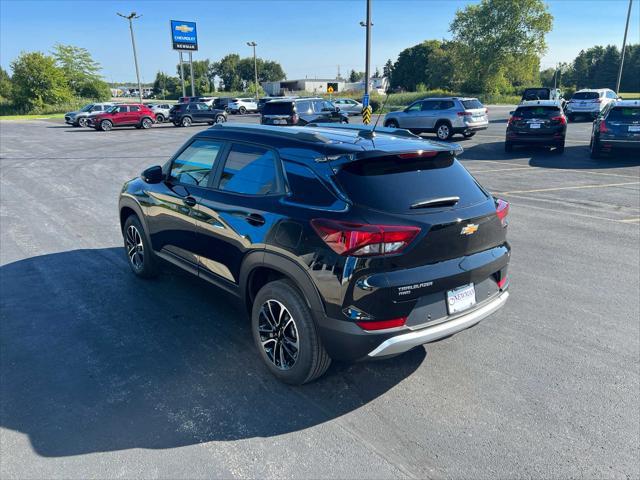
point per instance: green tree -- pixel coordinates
(430, 63)
(227, 70)
(631, 69)
(387, 69)
(80, 69)
(495, 35)
(202, 73)
(356, 76)
(5, 84)
(38, 81)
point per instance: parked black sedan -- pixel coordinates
(537, 123)
(617, 127)
(184, 114)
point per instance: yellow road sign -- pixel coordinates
(366, 115)
(329, 89)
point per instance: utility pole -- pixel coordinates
(255, 66)
(193, 80)
(624, 46)
(132, 16)
(368, 25)
(184, 92)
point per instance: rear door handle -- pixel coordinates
(255, 219)
(189, 201)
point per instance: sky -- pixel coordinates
(309, 38)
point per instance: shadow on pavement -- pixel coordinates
(94, 359)
(574, 156)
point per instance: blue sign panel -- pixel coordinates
(184, 35)
(365, 100)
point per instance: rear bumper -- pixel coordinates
(617, 143)
(535, 139)
(406, 341)
(472, 127)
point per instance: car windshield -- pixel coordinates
(471, 104)
(86, 108)
(585, 96)
(624, 114)
(278, 108)
(537, 112)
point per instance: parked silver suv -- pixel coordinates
(80, 118)
(442, 116)
(161, 110)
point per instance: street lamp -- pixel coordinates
(368, 26)
(255, 65)
(131, 17)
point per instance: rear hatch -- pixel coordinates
(537, 120)
(477, 111)
(278, 113)
(432, 191)
(622, 123)
(586, 101)
(536, 94)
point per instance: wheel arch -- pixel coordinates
(260, 268)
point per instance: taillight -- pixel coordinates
(502, 210)
(502, 282)
(560, 118)
(514, 119)
(382, 324)
(603, 127)
(465, 114)
(418, 154)
(362, 240)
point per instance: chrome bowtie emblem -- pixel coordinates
(469, 229)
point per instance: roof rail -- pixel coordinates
(281, 132)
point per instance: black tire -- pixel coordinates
(299, 366)
(242, 110)
(594, 149)
(106, 125)
(391, 124)
(146, 123)
(221, 119)
(559, 149)
(468, 134)
(160, 118)
(186, 122)
(83, 122)
(444, 131)
(135, 238)
(508, 147)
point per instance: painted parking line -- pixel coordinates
(575, 214)
(501, 137)
(631, 220)
(564, 202)
(538, 169)
(573, 187)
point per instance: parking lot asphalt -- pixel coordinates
(104, 375)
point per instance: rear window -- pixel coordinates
(537, 112)
(393, 184)
(624, 114)
(536, 94)
(278, 108)
(470, 104)
(585, 96)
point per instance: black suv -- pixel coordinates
(300, 111)
(617, 127)
(222, 103)
(539, 123)
(184, 114)
(341, 244)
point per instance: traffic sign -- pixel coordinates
(365, 100)
(366, 115)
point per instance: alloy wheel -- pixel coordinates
(278, 334)
(83, 122)
(186, 122)
(135, 247)
(220, 119)
(443, 132)
(106, 125)
(146, 123)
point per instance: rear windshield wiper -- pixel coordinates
(436, 202)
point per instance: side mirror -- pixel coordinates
(153, 174)
(511, 112)
(337, 109)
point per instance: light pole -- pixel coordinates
(255, 65)
(624, 45)
(131, 17)
(368, 25)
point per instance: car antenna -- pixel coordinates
(370, 134)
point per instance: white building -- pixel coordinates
(321, 85)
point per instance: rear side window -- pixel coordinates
(277, 108)
(624, 114)
(134, 108)
(585, 96)
(306, 188)
(250, 170)
(393, 184)
(537, 112)
(471, 104)
(194, 164)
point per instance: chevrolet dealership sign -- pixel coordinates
(184, 35)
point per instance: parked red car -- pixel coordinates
(130, 114)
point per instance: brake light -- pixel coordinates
(502, 282)
(603, 127)
(560, 118)
(382, 324)
(502, 210)
(465, 114)
(418, 154)
(362, 240)
(514, 119)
